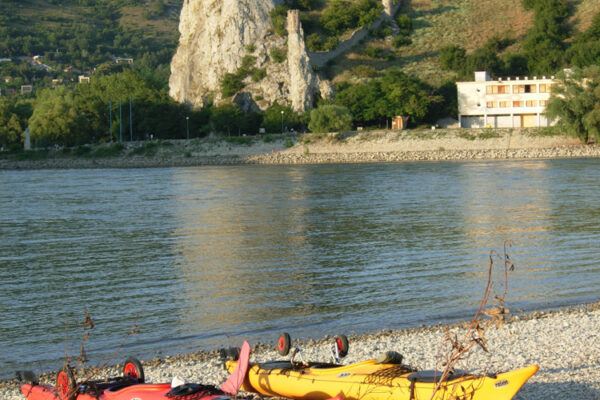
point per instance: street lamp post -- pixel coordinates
(187, 125)
(282, 121)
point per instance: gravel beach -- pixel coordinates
(564, 343)
(357, 147)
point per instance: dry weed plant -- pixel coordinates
(457, 348)
(80, 361)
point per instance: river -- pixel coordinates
(197, 258)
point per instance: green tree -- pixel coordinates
(544, 45)
(227, 118)
(395, 93)
(585, 49)
(57, 119)
(10, 126)
(330, 118)
(278, 117)
(575, 102)
(452, 57)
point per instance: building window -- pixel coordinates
(543, 103)
(491, 104)
(518, 103)
(542, 88)
(497, 89)
(504, 104)
(531, 103)
(524, 89)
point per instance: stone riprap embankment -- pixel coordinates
(565, 344)
(369, 147)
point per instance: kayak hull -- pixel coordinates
(369, 380)
(143, 391)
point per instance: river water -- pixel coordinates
(202, 257)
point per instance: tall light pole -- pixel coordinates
(282, 121)
(187, 125)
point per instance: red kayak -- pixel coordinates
(131, 386)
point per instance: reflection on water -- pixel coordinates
(201, 257)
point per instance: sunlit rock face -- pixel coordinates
(216, 35)
(214, 38)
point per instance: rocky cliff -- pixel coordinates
(217, 35)
(214, 36)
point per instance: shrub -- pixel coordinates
(364, 71)
(258, 74)
(109, 151)
(330, 118)
(246, 67)
(82, 150)
(400, 41)
(374, 52)
(404, 24)
(279, 18)
(278, 55)
(452, 57)
(148, 149)
(231, 84)
(314, 42)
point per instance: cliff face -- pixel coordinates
(213, 41)
(303, 83)
(216, 35)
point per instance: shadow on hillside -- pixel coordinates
(428, 13)
(417, 57)
(557, 390)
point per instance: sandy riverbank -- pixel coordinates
(361, 147)
(565, 344)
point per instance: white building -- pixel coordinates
(503, 103)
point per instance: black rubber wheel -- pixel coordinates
(65, 384)
(283, 344)
(341, 343)
(133, 369)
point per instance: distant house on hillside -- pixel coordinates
(26, 89)
(503, 103)
(121, 60)
(83, 79)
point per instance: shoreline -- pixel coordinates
(352, 148)
(563, 342)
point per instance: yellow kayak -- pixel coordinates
(370, 380)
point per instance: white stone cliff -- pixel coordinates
(304, 83)
(213, 41)
(217, 34)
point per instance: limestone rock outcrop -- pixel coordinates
(219, 36)
(216, 35)
(304, 83)
(214, 38)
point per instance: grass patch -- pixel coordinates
(32, 155)
(466, 135)
(148, 149)
(82, 150)
(489, 134)
(240, 140)
(113, 150)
